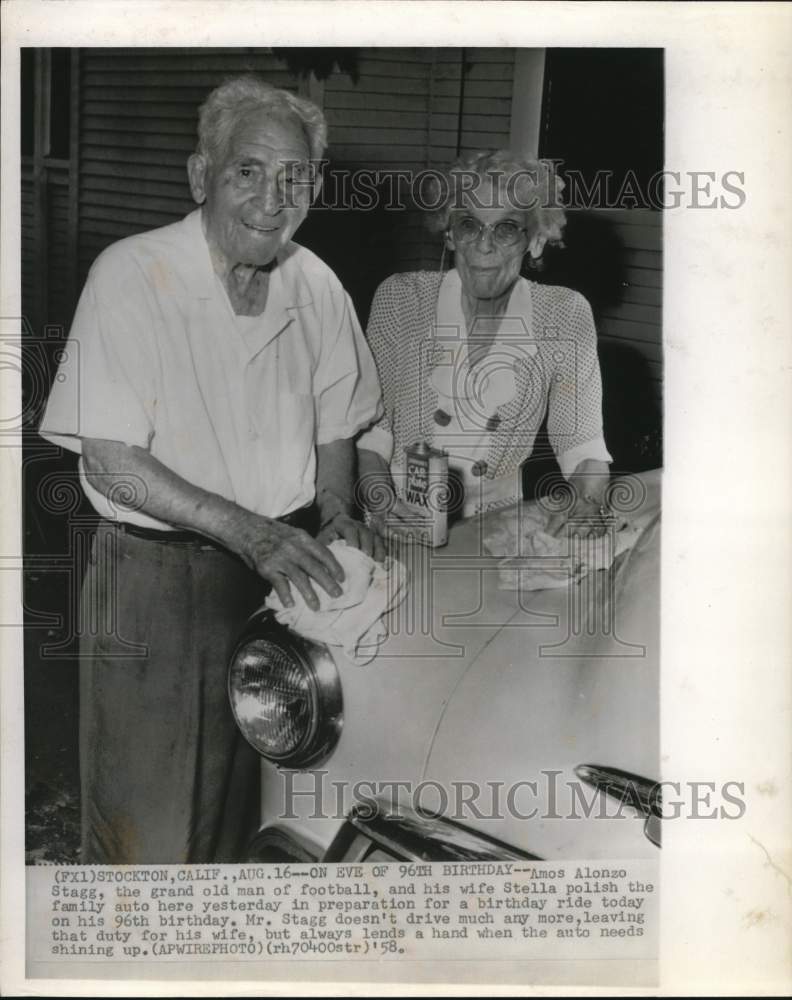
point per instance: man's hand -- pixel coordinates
(354, 533)
(284, 555)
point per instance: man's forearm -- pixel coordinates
(335, 497)
(161, 493)
(281, 554)
(371, 463)
(335, 479)
(375, 483)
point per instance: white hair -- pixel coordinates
(523, 182)
(228, 104)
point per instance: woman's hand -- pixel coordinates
(588, 514)
(587, 517)
(387, 515)
(398, 519)
(376, 494)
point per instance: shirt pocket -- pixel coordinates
(281, 424)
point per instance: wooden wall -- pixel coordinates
(637, 318)
(134, 117)
(603, 116)
(138, 119)
(410, 109)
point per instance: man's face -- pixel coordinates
(259, 193)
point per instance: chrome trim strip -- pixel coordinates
(418, 836)
(631, 789)
(274, 838)
(623, 785)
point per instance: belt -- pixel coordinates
(304, 518)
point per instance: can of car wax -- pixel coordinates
(426, 492)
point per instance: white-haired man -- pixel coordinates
(222, 379)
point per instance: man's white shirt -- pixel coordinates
(235, 405)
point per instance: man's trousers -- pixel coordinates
(166, 777)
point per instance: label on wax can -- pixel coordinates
(426, 492)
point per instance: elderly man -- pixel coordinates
(223, 378)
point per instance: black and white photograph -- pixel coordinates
(454, 414)
(342, 447)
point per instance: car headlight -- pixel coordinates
(285, 693)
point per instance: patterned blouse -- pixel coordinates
(543, 361)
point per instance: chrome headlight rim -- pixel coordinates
(324, 686)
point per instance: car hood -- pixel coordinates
(579, 686)
(477, 684)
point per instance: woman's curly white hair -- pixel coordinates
(229, 103)
(522, 183)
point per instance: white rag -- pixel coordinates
(539, 561)
(354, 620)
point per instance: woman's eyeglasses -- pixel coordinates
(468, 229)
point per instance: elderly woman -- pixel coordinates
(472, 360)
